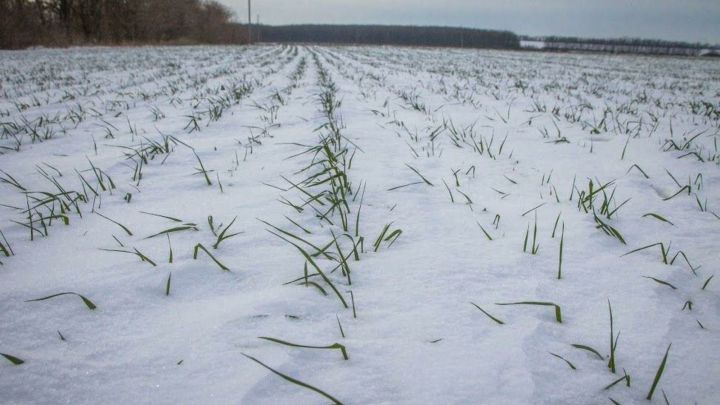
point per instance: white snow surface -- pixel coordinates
(493, 134)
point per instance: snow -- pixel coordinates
(532, 44)
(416, 337)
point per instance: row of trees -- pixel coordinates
(26, 23)
(622, 45)
(390, 35)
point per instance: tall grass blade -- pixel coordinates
(296, 382)
(87, 302)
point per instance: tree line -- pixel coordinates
(622, 45)
(389, 35)
(25, 23)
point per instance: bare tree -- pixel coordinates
(64, 22)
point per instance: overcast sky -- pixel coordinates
(684, 20)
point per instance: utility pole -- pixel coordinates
(259, 30)
(249, 22)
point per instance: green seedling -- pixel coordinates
(167, 285)
(659, 374)
(86, 301)
(498, 321)
(588, 349)
(12, 359)
(558, 312)
(658, 217)
(124, 228)
(184, 227)
(223, 235)
(199, 247)
(387, 237)
(572, 366)
(334, 346)
(134, 252)
(295, 381)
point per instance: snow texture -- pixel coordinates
(479, 158)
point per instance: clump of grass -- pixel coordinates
(86, 301)
(199, 247)
(193, 123)
(314, 264)
(558, 311)
(608, 207)
(535, 247)
(295, 381)
(223, 235)
(609, 229)
(387, 237)
(334, 346)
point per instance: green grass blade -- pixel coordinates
(12, 359)
(124, 228)
(661, 282)
(558, 311)
(572, 366)
(659, 373)
(200, 246)
(658, 217)
(334, 346)
(421, 176)
(87, 302)
(296, 382)
(488, 315)
(167, 285)
(589, 349)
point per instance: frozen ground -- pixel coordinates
(479, 163)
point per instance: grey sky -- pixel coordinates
(685, 20)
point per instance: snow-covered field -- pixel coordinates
(379, 205)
